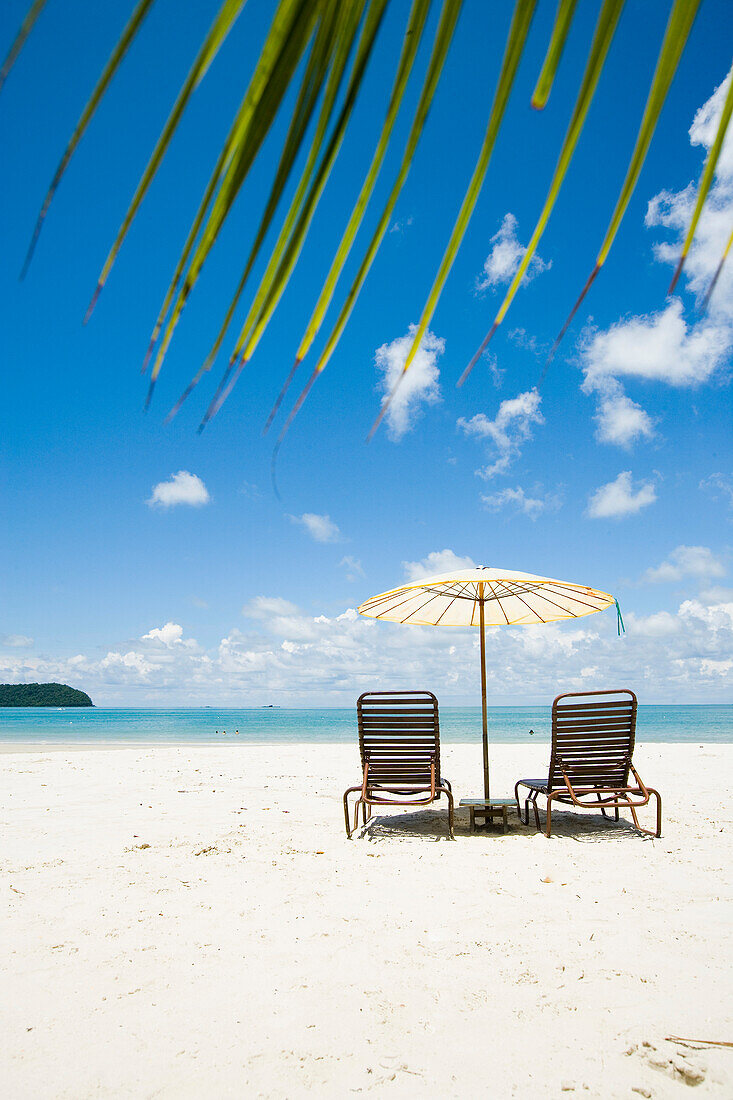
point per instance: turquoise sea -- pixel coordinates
(116, 726)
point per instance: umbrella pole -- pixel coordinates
(483, 691)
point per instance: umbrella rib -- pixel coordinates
(457, 596)
(498, 598)
(528, 606)
(433, 596)
(559, 606)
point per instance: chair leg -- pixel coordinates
(449, 794)
(548, 829)
(536, 811)
(347, 792)
(516, 799)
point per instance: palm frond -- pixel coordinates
(19, 41)
(285, 257)
(605, 29)
(705, 181)
(318, 51)
(332, 71)
(518, 31)
(443, 38)
(413, 38)
(287, 39)
(87, 114)
(678, 28)
(219, 30)
(716, 276)
(563, 19)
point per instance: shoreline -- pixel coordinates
(20, 746)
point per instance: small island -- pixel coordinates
(42, 695)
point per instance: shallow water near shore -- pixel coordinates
(113, 725)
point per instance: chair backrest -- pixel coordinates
(399, 735)
(593, 737)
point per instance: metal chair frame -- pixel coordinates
(411, 773)
(568, 791)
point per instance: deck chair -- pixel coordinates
(590, 761)
(399, 741)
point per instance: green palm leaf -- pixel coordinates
(344, 36)
(563, 19)
(220, 28)
(287, 39)
(413, 37)
(523, 12)
(318, 62)
(103, 83)
(605, 29)
(18, 42)
(716, 276)
(307, 53)
(288, 249)
(443, 39)
(679, 25)
(705, 181)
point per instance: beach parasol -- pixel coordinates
(486, 597)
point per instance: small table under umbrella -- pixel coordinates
(486, 597)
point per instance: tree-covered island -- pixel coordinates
(42, 695)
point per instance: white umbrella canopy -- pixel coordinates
(486, 597)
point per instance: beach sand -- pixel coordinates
(192, 922)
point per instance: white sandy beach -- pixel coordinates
(192, 922)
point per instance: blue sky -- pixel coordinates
(617, 473)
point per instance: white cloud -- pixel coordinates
(520, 501)
(417, 387)
(663, 347)
(720, 486)
(183, 488)
(618, 498)
(16, 641)
(353, 567)
(169, 635)
(294, 658)
(320, 528)
(505, 257)
(511, 427)
(437, 562)
(620, 420)
(687, 561)
(658, 347)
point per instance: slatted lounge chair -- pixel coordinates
(590, 761)
(399, 741)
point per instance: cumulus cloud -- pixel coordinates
(519, 501)
(658, 347)
(687, 561)
(437, 562)
(417, 388)
(302, 659)
(183, 488)
(168, 635)
(506, 433)
(618, 498)
(320, 528)
(620, 420)
(16, 641)
(505, 257)
(662, 346)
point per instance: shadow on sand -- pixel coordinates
(432, 825)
